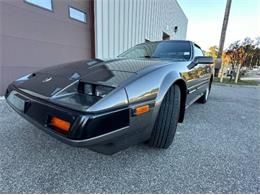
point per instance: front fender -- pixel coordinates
(170, 79)
(116, 100)
(167, 82)
(151, 88)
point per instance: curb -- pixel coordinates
(232, 85)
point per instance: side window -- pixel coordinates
(197, 51)
(137, 53)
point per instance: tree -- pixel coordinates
(243, 54)
(232, 53)
(213, 52)
(249, 48)
(256, 54)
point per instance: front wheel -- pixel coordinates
(167, 119)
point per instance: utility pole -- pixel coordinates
(222, 41)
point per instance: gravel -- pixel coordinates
(215, 150)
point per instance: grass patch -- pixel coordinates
(240, 82)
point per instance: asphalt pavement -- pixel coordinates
(215, 150)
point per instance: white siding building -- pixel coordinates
(44, 33)
(121, 24)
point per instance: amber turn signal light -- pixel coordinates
(60, 124)
(142, 109)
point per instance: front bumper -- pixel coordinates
(86, 129)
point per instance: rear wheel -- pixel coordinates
(167, 119)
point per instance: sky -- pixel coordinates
(205, 18)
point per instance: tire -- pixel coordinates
(204, 98)
(167, 119)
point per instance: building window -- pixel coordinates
(77, 15)
(166, 36)
(46, 4)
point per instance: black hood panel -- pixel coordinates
(45, 84)
(85, 67)
(106, 77)
(50, 81)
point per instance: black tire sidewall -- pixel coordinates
(166, 122)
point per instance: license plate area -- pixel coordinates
(18, 101)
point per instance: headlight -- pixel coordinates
(101, 91)
(94, 89)
(88, 89)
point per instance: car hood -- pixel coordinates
(83, 68)
(50, 81)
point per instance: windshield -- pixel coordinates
(180, 50)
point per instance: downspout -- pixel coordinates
(92, 28)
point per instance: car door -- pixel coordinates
(192, 77)
(203, 72)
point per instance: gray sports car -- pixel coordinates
(109, 105)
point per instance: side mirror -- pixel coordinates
(201, 60)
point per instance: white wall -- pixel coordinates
(121, 24)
